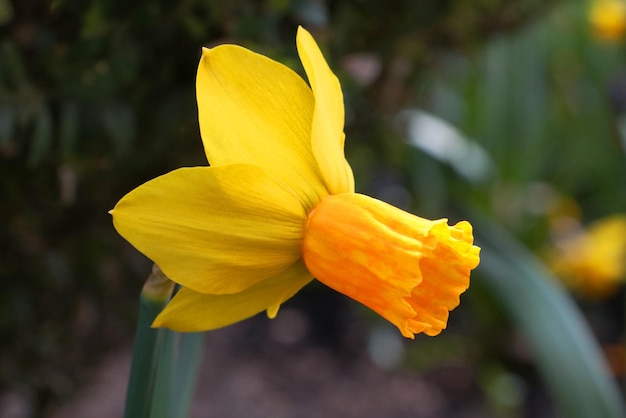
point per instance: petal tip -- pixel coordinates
(301, 31)
(272, 311)
(157, 323)
(306, 43)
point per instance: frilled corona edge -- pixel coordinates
(410, 270)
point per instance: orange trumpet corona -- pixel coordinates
(408, 269)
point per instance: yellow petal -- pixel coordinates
(213, 229)
(327, 137)
(410, 270)
(191, 311)
(253, 110)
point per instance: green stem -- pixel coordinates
(165, 363)
(186, 374)
(148, 341)
(163, 385)
(176, 374)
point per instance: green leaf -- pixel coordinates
(68, 128)
(6, 12)
(566, 352)
(42, 137)
(7, 124)
(119, 122)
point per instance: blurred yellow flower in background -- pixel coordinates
(593, 262)
(277, 207)
(608, 19)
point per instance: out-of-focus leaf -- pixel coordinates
(312, 13)
(119, 122)
(6, 12)
(68, 128)
(442, 141)
(125, 61)
(565, 350)
(42, 137)
(7, 124)
(94, 20)
(12, 65)
(621, 127)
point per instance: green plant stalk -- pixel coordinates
(163, 385)
(189, 356)
(147, 348)
(566, 352)
(165, 363)
(176, 374)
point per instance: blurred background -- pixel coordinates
(504, 113)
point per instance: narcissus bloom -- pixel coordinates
(277, 208)
(593, 262)
(608, 19)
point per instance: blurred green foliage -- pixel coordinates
(98, 97)
(546, 104)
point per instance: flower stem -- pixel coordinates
(164, 363)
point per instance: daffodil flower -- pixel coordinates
(277, 207)
(593, 261)
(608, 19)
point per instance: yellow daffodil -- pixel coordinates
(608, 19)
(277, 207)
(593, 262)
